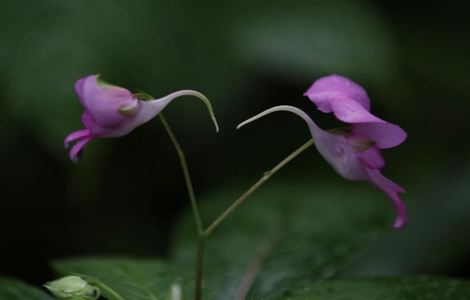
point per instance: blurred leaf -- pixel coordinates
(440, 222)
(288, 242)
(285, 234)
(414, 288)
(311, 38)
(148, 279)
(15, 290)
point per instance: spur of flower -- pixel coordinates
(355, 151)
(112, 111)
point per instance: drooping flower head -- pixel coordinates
(355, 153)
(112, 111)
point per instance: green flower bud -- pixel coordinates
(73, 288)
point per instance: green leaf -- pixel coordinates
(289, 241)
(316, 37)
(292, 231)
(414, 288)
(131, 279)
(284, 234)
(15, 290)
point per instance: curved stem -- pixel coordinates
(195, 209)
(254, 187)
(196, 94)
(187, 178)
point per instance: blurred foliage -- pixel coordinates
(15, 290)
(288, 244)
(291, 231)
(412, 288)
(298, 233)
(126, 194)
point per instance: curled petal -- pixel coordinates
(329, 88)
(79, 87)
(79, 134)
(349, 102)
(391, 189)
(77, 149)
(103, 101)
(385, 135)
(350, 111)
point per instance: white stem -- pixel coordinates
(311, 124)
(196, 94)
(152, 108)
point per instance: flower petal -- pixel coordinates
(103, 101)
(327, 89)
(79, 86)
(77, 149)
(386, 135)
(79, 134)
(334, 148)
(391, 189)
(373, 158)
(350, 111)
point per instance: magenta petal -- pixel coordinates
(373, 158)
(79, 134)
(350, 111)
(385, 135)
(103, 102)
(391, 189)
(87, 120)
(79, 86)
(329, 88)
(77, 148)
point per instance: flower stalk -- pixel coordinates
(202, 233)
(187, 177)
(255, 186)
(194, 206)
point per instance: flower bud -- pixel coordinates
(73, 288)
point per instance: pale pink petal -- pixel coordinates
(391, 189)
(79, 86)
(350, 111)
(103, 102)
(329, 88)
(386, 135)
(79, 134)
(77, 149)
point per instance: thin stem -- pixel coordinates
(187, 178)
(195, 208)
(253, 188)
(199, 266)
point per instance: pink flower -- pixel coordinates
(112, 111)
(355, 153)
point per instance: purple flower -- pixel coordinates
(355, 152)
(112, 111)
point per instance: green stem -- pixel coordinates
(199, 266)
(195, 208)
(253, 188)
(187, 178)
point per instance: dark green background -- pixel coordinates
(126, 194)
